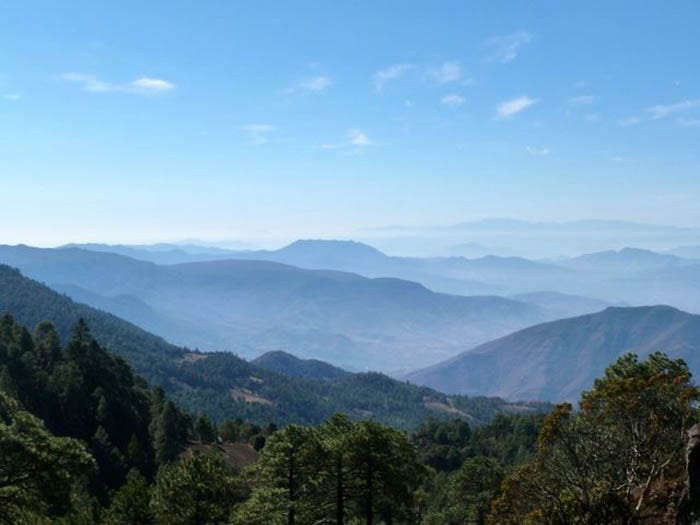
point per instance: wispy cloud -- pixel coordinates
(142, 85)
(316, 84)
(592, 117)
(152, 85)
(88, 82)
(393, 72)
(446, 73)
(629, 121)
(689, 122)
(506, 48)
(357, 137)
(538, 151)
(452, 100)
(12, 96)
(661, 111)
(258, 133)
(512, 107)
(583, 100)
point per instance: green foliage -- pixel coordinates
(203, 429)
(194, 491)
(170, 432)
(83, 392)
(130, 505)
(207, 383)
(38, 471)
(601, 464)
(340, 471)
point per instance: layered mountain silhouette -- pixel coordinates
(558, 360)
(223, 385)
(252, 306)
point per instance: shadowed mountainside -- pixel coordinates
(557, 360)
(250, 307)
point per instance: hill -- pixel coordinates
(226, 386)
(630, 276)
(557, 360)
(162, 253)
(284, 363)
(251, 306)
(566, 305)
(623, 261)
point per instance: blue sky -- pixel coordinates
(148, 121)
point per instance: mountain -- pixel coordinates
(565, 305)
(687, 252)
(629, 276)
(284, 363)
(161, 253)
(225, 386)
(557, 360)
(623, 261)
(252, 306)
(532, 239)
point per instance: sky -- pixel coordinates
(250, 120)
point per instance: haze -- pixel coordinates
(266, 122)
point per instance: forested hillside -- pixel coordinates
(84, 440)
(226, 386)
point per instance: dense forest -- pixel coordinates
(85, 440)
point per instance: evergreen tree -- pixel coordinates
(203, 429)
(196, 490)
(38, 471)
(131, 503)
(170, 435)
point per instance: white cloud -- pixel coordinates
(592, 117)
(355, 140)
(356, 137)
(583, 100)
(452, 100)
(538, 151)
(446, 73)
(390, 73)
(662, 111)
(88, 82)
(316, 84)
(152, 84)
(258, 133)
(512, 107)
(629, 121)
(689, 123)
(506, 48)
(12, 96)
(93, 84)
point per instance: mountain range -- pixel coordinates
(224, 386)
(559, 359)
(628, 276)
(509, 237)
(251, 307)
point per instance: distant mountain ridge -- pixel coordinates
(225, 386)
(559, 359)
(251, 306)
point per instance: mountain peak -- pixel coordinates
(289, 364)
(559, 359)
(347, 247)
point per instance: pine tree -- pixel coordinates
(197, 490)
